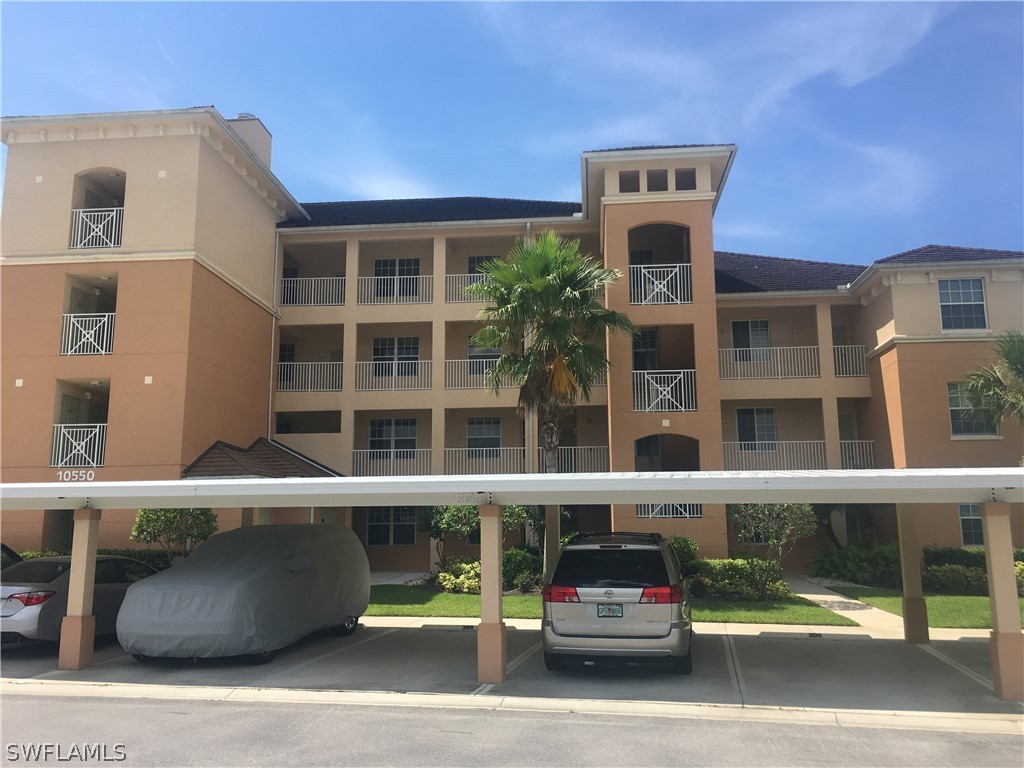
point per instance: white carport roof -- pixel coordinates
(911, 486)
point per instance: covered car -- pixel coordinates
(250, 591)
(34, 595)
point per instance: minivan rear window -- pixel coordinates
(611, 568)
(33, 572)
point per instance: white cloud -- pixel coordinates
(878, 180)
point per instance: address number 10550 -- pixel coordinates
(75, 475)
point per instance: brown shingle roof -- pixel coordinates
(934, 254)
(264, 458)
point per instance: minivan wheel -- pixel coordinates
(683, 665)
(552, 661)
(348, 627)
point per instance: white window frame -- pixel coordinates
(765, 431)
(759, 341)
(483, 436)
(959, 413)
(399, 434)
(391, 518)
(971, 512)
(951, 294)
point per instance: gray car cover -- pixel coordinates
(248, 591)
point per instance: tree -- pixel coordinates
(175, 530)
(775, 527)
(543, 315)
(996, 392)
(463, 520)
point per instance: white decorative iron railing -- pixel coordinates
(87, 334)
(402, 374)
(769, 363)
(309, 377)
(665, 390)
(96, 227)
(851, 360)
(395, 290)
(857, 454)
(411, 461)
(578, 458)
(312, 291)
(775, 454)
(78, 445)
(660, 284)
(470, 374)
(669, 510)
(484, 461)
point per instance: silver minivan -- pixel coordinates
(617, 597)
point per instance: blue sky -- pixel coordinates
(864, 129)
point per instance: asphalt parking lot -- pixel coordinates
(816, 668)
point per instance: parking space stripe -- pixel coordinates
(292, 669)
(487, 687)
(958, 666)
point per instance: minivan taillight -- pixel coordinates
(553, 594)
(670, 594)
(29, 599)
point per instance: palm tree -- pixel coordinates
(996, 392)
(543, 315)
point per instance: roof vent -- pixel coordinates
(245, 116)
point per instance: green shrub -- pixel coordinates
(32, 554)
(460, 575)
(955, 580)
(686, 550)
(1018, 570)
(526, 581)
(967, 557)
(870, 566)
(516, 562)
(739, 579)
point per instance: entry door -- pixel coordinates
(70, 410)
(847, 426)
(79, 303)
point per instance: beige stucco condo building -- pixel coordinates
(163, 291)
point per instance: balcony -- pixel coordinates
(851, 360)
(309, 377)
(769, 363)
(578, 458)
(96, 227)
(418, 289)
(410, 374)
(389, 463)
(312, 291)
(455, 287)
(78, 445)
(484, 461)
(668, 510)
(775, 454)
(87, 334)
(857, 454)
(665, 390)
(470, 374)
(660, 284)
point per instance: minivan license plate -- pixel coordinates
(609, 610)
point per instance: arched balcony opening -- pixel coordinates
(667, 453)
(97, 208)
(659, 264)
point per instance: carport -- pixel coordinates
(995, 489)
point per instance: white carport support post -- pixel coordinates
(78, 629)
(552, 537)
(915, 612)
(491, 644)
(1006, 642)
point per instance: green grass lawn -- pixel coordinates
(401, 600)
(954, 611)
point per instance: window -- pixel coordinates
(962, 303)
(394, 438)
(391, 526)
(483, 436)
(750, 341)
(755, 429)
(642, 257)
(686, 179)
(629, 181)
(645, 350)
(396, 277)
(657, 181)
(970, 526)
(397, 356)
(962, 420)
(481, 359)
(473, 263)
